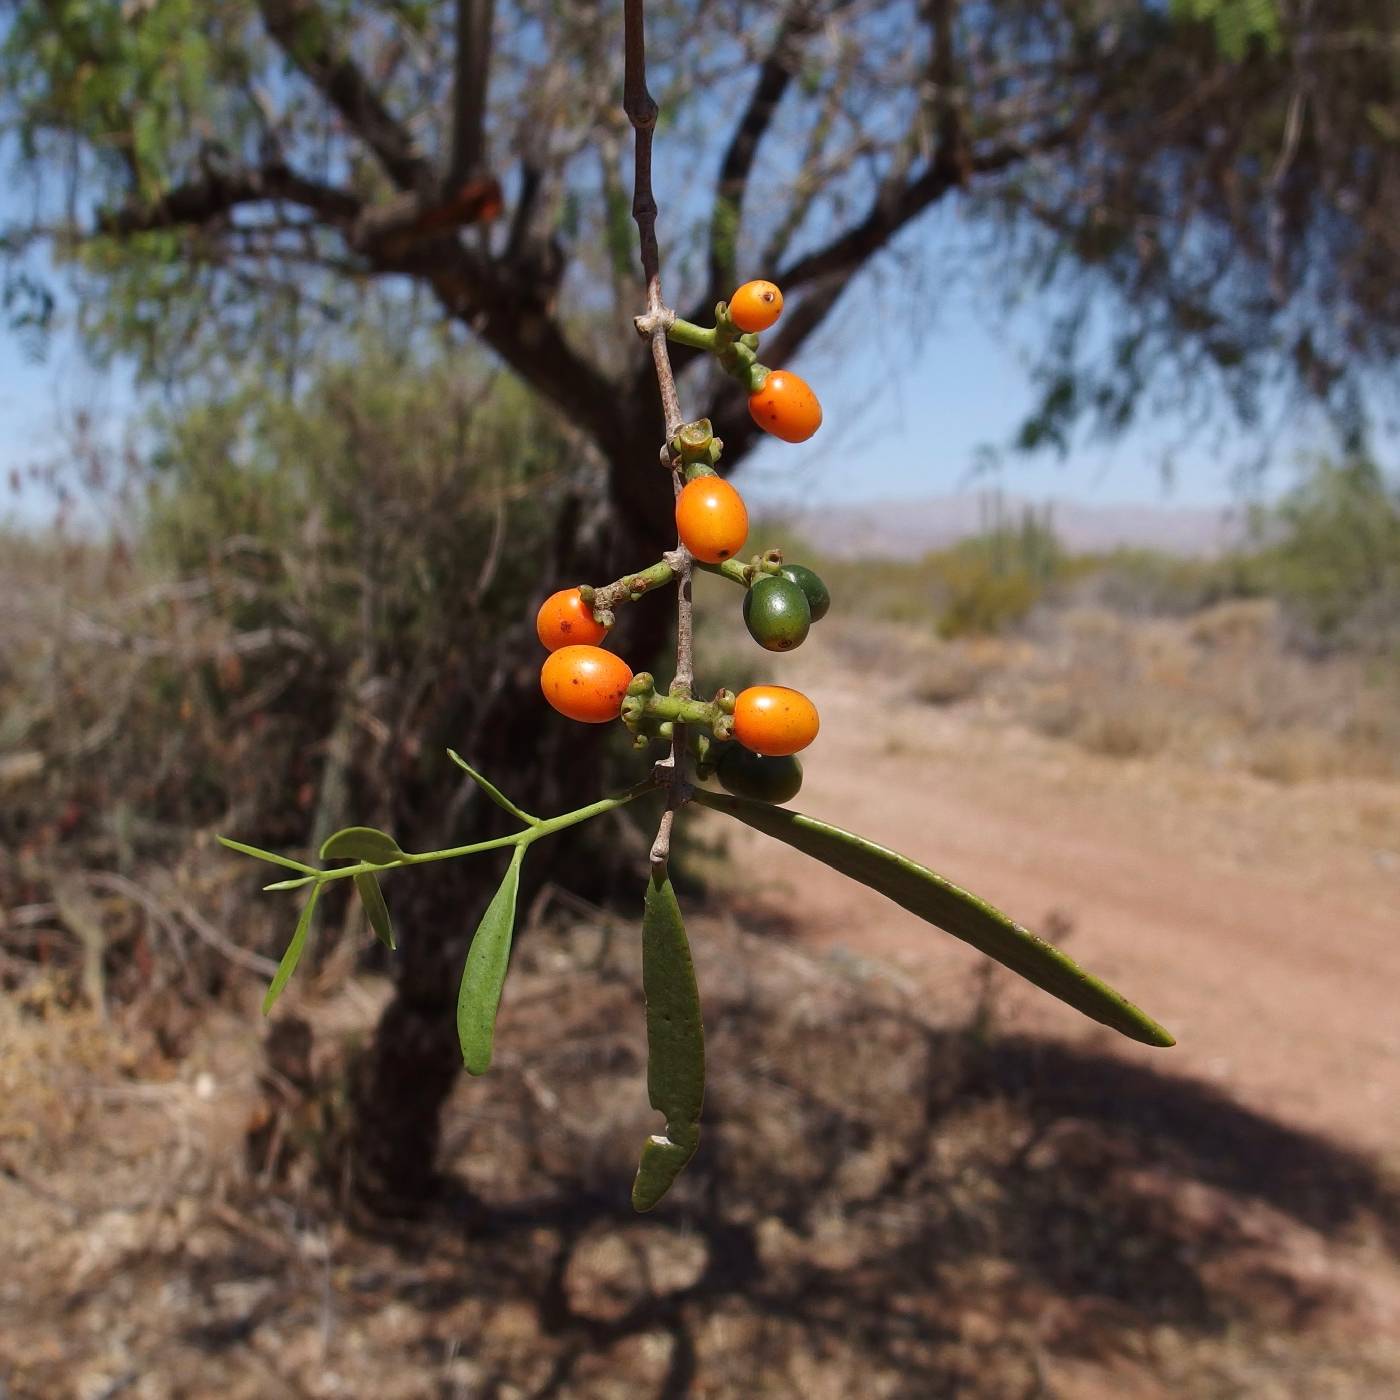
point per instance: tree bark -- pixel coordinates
(411, 1068)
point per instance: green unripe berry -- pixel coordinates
(753, 775)
(817, 594)
(776, 613)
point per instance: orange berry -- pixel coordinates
(755, 306)
(711, 519)
(786, 407)
(773, 720)
(565, 619)
(585, 683)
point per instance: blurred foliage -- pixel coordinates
(980, 586)
(1328, 551)
(1136, 582)
(1331, 551)
(992, 581)
(1237, 23)
(302, 607)
(1207, 187)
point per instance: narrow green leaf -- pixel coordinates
(485, 972)
(292, 956)
(491, 790)
(377, 911)
(362, 843)
(956, 911)
(258, 854)
(290, 884)
(675, 1044)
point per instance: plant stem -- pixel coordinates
(640, 107)
(527, 837)
(688, 333)
(631, 585)
(681, 709)
(745, 574)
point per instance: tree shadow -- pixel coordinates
(906, 1207)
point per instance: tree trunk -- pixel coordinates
(412, 1065)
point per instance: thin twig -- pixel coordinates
(640, 107)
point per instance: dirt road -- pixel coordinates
(1259, 922)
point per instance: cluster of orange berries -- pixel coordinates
(784, 403)
(586, 683)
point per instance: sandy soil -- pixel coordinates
(882, 1205)
(1259, 922)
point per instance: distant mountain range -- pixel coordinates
(906, 529)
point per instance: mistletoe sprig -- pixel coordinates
(747, 741)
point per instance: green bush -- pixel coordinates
(992, 581)
(1331, 552)
(1149, 583)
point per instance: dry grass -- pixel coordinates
(888, 1201)
(883, 1205)
(1221, 688)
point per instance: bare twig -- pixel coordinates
(640, 107)
(472, 64)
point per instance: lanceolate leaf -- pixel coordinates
(962, 914)
(491, 790)
(292, 956)
(259, 854)
(485, 972)
(375, 908)
(675, 1044)
(294, 884)
(362, 843)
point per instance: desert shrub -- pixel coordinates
(1331, 551)
(292, 621)
(1151, 583)
(980, 600)
(952, 673)
(981, 586)
(993, 580)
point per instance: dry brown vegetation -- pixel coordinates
(908, 1186)
(1220, 688)
(887, 1203)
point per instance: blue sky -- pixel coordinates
(899, 421)
(901, 426)
(915, 426)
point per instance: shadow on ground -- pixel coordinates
(881, 1206)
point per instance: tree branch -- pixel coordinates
(508, 313)
(640, 107)
(774, 78)
(827, 270)
(507, 304)
(892, 209)
(952, 152)
(300, 30)
(813, 173)
(471, 73)
(219, 192)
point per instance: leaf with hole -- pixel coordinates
(952, 909)
(479, 998)
(675, 1044)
